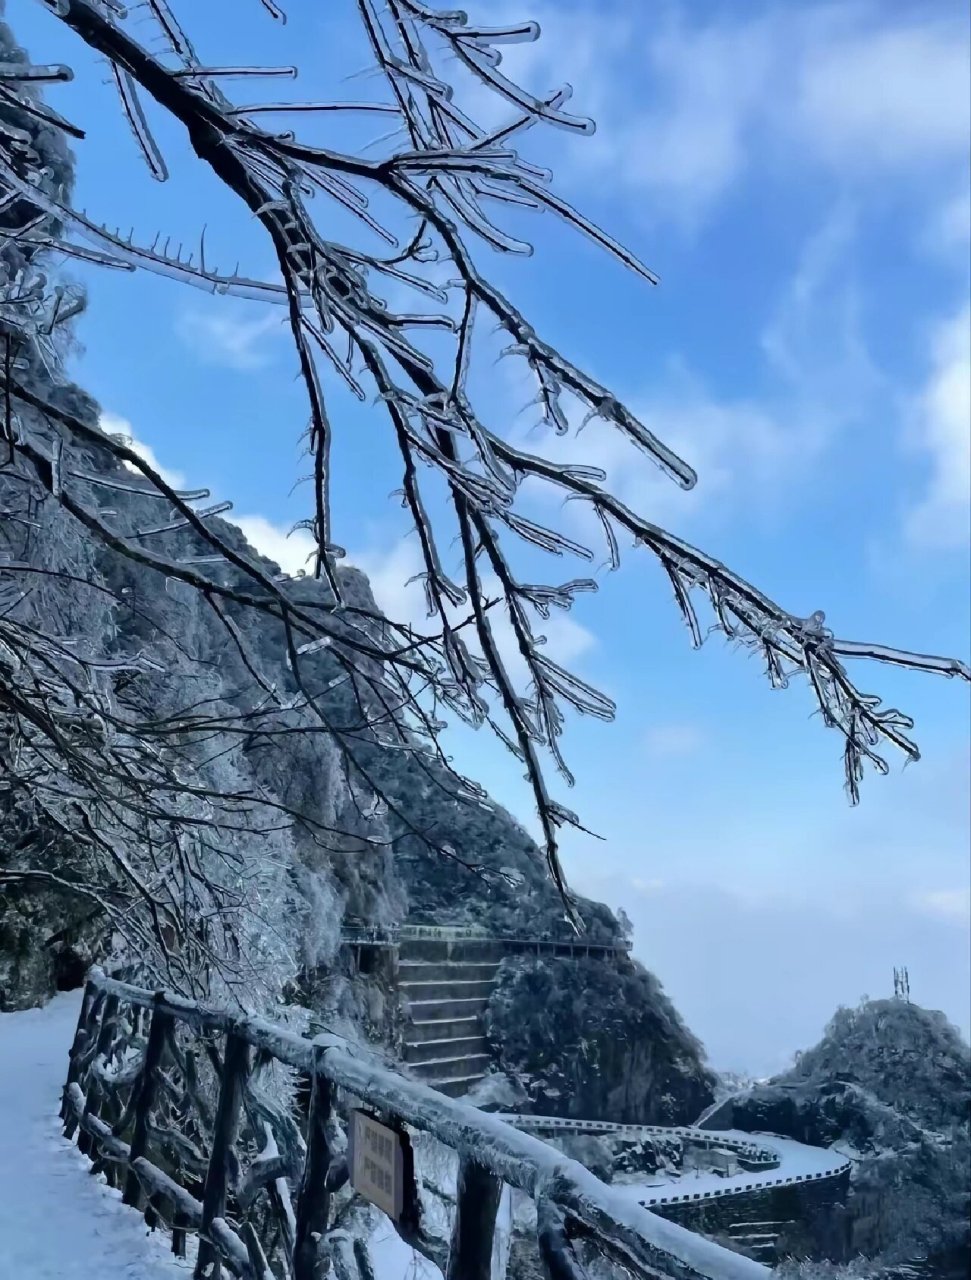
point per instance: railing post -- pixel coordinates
(82, 1036)
(313, 1203)
(234, 1071)
(92, 1103)
(179, 1224)
(476, 1206)
(147, 1085)
(559, 1260)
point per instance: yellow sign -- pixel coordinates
(377, 1163)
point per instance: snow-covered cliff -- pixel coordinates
(890, 1084)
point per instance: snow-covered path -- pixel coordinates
(56, 1221)
(798, 1163)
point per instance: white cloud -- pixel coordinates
(812, 309)
(844, 87)
(219, 338)
(814, 341)
(114, 424)
(664, 741)
(389, 572)
(817, 378)
(947, 232)
(575, 48)
(889, 98)
(291, 551)
(859, 91)
(681, 134)
(736, 447)
(691, 143)
(946, 904)
(942, 517)
(646, 886)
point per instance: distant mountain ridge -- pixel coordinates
(890, 1084)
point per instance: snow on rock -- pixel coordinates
(56, 1221)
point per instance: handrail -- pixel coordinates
(765, 1184)
(572, 944)
(395, 934)
(570, 1200)
(761, 1160)
(687, 1133)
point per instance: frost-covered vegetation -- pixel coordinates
(596, 1041)
(890, 1084)
(907, 1057)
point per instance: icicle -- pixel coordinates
(232, 73)
(40, 73)
(139, 125)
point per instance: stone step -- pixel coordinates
(447, 971)
(418, 1031)
(468, 950)
(461, 1046)
(456, 1088)
(765, 1246)
(763, 1252)
(445, 1010)
(450, 1068)
(422, 991)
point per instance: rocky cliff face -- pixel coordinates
(596, 1040)
(46, 943)
(890, 1083)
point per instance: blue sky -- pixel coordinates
(798, 177)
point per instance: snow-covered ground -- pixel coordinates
(59, 1223)
(392, 1259)
(56, 1221)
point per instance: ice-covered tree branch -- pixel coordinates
(430, 199)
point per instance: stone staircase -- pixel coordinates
(444, 986)
(759, 1238)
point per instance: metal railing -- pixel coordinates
(394, 934)
(225, 1164)
(753, 1157)
(764, 1184)
(758, 1156)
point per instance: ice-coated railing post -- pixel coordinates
(610, 1226)
(92, 1106)
(555, 1251)
(476, 1205)
(179, 1224)
(146, 1086)
(313, 1203)
(82, 1038)
(235, 1070)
